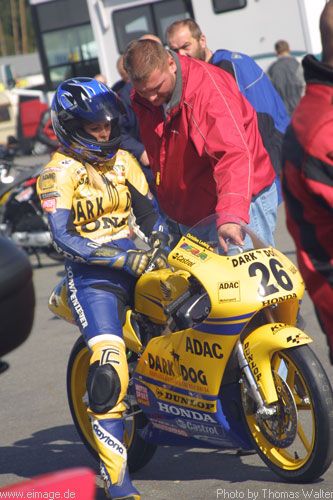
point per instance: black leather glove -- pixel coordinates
(134, 262)
(158, 259)
(159, 252)
(158, 239)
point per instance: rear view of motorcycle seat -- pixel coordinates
(17, 297)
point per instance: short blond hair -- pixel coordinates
(142, 57)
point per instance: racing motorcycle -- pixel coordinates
(216, 361)
(22, 219)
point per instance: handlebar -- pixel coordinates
(179, 301)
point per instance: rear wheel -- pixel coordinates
(297, 442)
(139, 452)
(54, 255)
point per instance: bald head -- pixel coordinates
(121, 70)
(326, 31)
(100, 78)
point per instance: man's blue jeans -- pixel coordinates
(263, 213)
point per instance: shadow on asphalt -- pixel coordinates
(42, 453)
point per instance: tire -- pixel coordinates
(139, 452)
(297, 443)
(54, 255)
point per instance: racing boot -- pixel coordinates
(107, 383)
(109, 438)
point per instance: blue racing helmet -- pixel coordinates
(85, 100)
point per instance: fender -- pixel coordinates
(259, 347)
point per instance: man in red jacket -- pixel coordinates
(201, 136)
(308, 178)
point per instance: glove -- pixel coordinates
(158, 259)
(137, 262)
(158, 239)
(134, 262)
(159, 252)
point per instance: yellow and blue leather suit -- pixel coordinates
(82, 218)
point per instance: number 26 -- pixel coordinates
(281, 277)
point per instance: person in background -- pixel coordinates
(307, 179)
(202, 141)
(286, 76)
(88, 191)
(100, 78)
(185, 37)
(124, 77)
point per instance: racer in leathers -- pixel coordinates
(89, 189)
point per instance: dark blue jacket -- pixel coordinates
(255, 85)
(131, 140)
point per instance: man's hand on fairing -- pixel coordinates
(230, 231)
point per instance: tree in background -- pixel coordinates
(16, 31)
(23, 23)
(15, 26)
(3, 44)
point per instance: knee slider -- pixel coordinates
(103, 387)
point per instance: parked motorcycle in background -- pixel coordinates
(21, 217)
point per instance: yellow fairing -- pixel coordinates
(243, 283)
(259, 347)
(237, 284)
(58, 302)
(187, 360)
(5, 197)
(157, 289)
(131, 340)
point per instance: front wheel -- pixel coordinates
(139, 452)
(297, 442)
